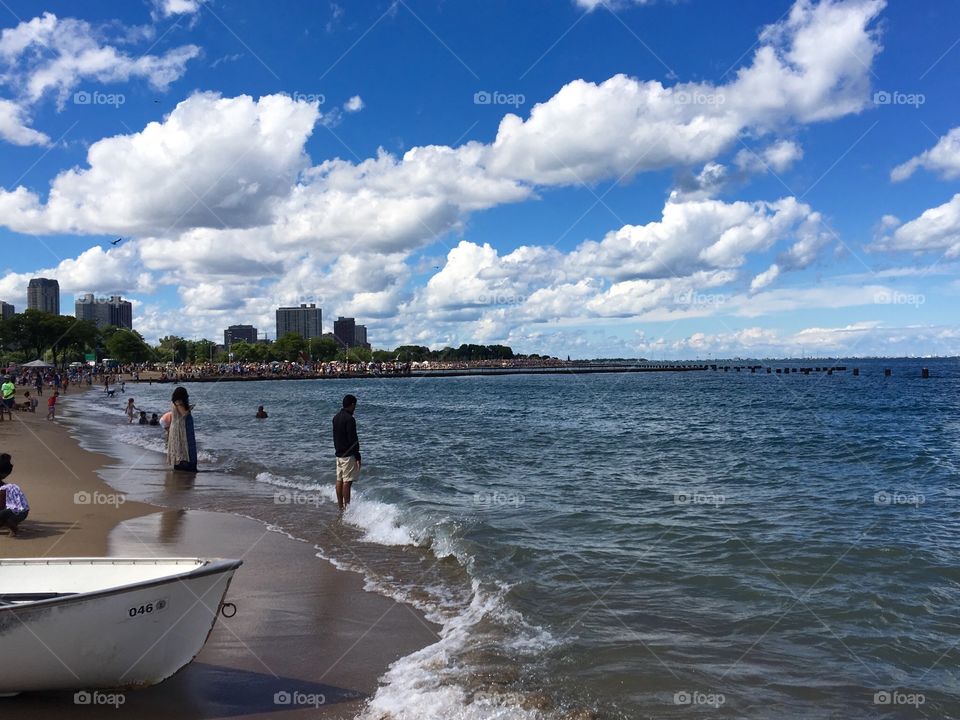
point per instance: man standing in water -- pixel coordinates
(347, 446)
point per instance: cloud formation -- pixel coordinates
(50, 57)
(943, 159)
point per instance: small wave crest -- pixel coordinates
(151, 438)
(426, 685)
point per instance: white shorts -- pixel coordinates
(348, 469)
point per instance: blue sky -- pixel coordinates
(659, 179)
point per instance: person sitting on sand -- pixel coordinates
(261, 413)
(29, 402)
(13, 504)
(154, 420)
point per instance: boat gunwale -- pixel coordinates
(210, 567)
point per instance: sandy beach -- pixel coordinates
(307, 640)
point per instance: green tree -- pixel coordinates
(323, 349)
(289, 347)
(174, 348)
(200, 351)
(412, 353)
(81, 336)
(359, 354)
(37, 331)
(127, 346)
(262, 352)
(241, 350)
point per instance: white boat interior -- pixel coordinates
(33, 580)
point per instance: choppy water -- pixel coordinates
(636, 545)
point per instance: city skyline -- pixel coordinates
(772, 181)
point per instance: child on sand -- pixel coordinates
(13, 504)
(29, 402)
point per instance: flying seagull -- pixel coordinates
(117, 241)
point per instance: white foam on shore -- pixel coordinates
(428, 684)
(151, 438)
(379, 522)
(425, 685)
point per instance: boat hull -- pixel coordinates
(119, 638)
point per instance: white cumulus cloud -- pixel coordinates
(943, 159)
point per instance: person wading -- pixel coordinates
(347, 446)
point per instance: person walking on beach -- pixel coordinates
(8, 390)
(52, 406)
(13, 504)
(181, 440)
(347, 447)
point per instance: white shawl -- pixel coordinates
(177, 448)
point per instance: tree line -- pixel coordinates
(62, 339)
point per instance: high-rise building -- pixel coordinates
(305, 321)
(344, 330)
(7, 310)
(103, 311)
(236, 333)
(44, 294)
(360, 336)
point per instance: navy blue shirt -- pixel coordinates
(345, 439)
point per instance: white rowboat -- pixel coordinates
(105, 623)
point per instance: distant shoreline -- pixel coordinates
(455, 372)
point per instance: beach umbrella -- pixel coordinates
(37, 364)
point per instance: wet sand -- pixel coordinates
(306, 641)
(72, 510)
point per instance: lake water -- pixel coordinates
(701, 544)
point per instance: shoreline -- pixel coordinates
(304, 628)
(416, 374)
(72, 508)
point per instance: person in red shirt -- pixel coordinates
(52, 406)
